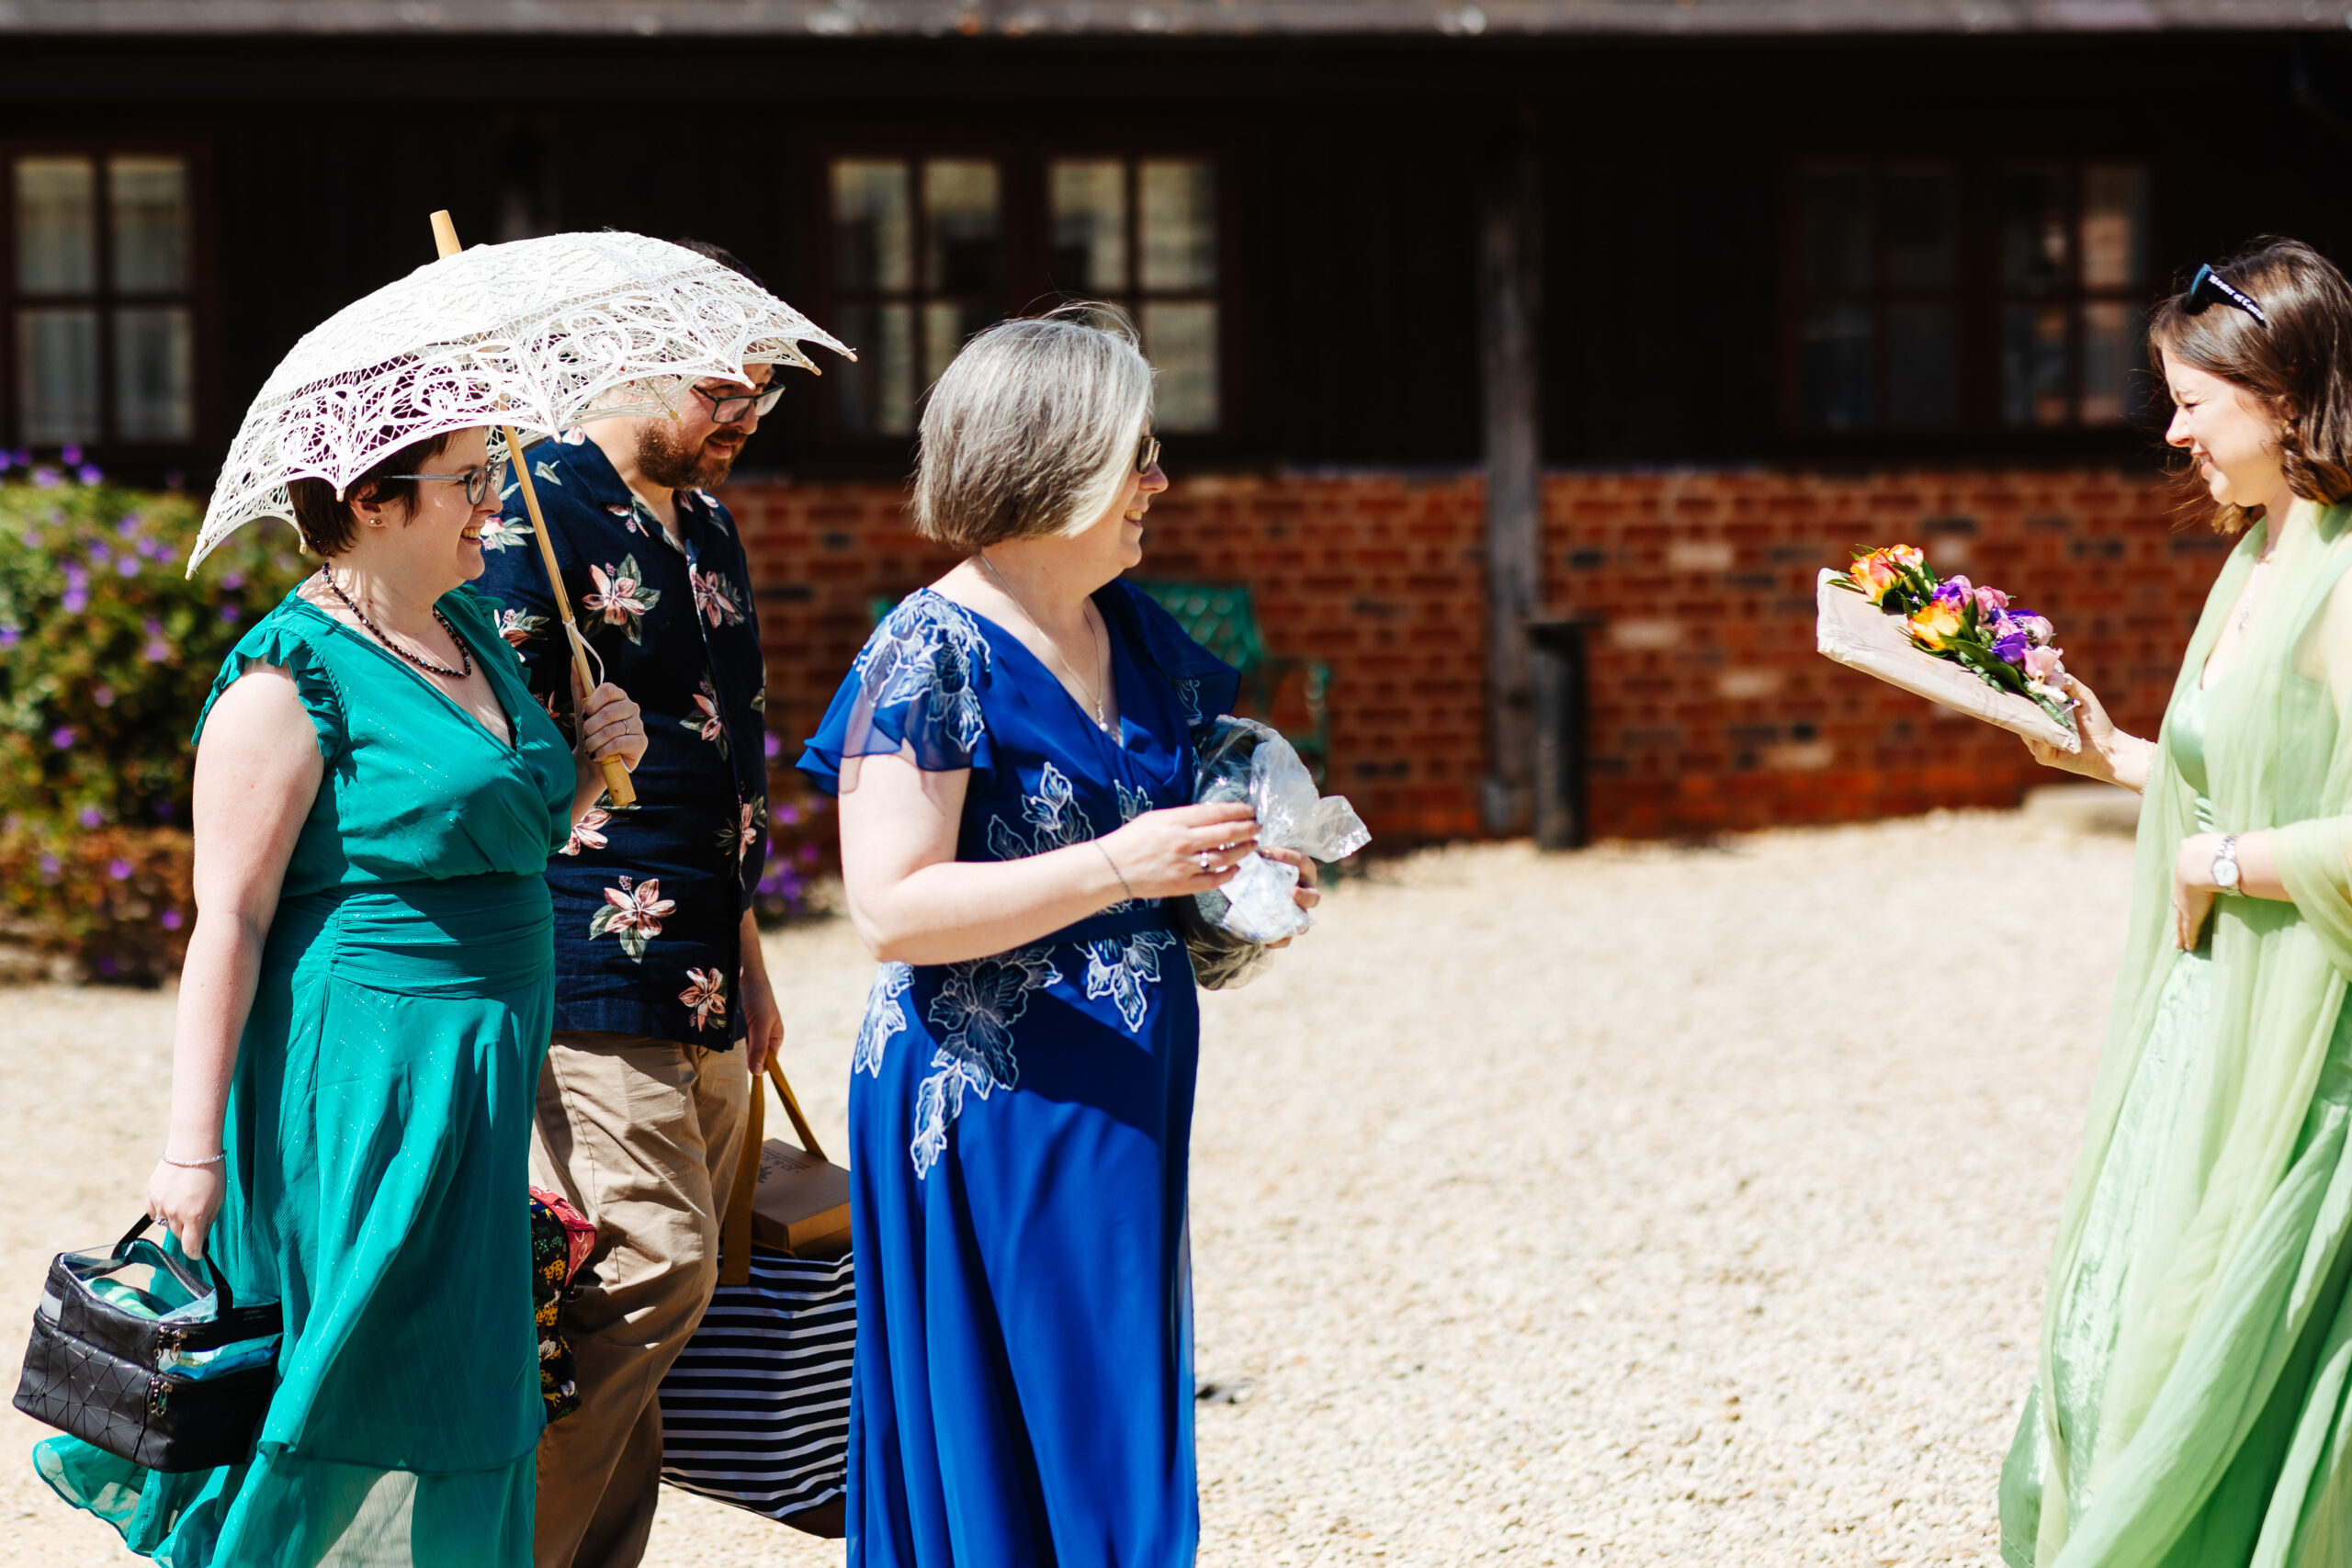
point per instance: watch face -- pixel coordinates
(2225, 873)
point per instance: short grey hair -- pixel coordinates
(1033, 428)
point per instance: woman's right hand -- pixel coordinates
(187, 1199)
(2108, 754)
(1183, 849)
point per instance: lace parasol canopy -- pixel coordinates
(536, 333)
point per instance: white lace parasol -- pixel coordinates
(530, 334)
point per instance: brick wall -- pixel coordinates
(1709, 708)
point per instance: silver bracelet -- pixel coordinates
(196, 1164)
(1117, 872)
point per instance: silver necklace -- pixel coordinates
(1093, 693)
(2245, 608)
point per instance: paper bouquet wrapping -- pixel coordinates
(1950, 641)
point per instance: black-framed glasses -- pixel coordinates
(2209, 288)
(725, 408)
(1147, 453)
(482, 480)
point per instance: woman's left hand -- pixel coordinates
(1306, 894)
(2193, 888)
(610, 726)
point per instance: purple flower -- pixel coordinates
(173, 919)
(75, 600)
(1952, 591)
(2009, 648)
(71, 455)
(127, 567)
(62, 737)
(231, 612)
(50, 869)
(99, 554)
(118, 869)
(155, 653)
(9, 637)
(233, 580)
(89, 474)
(8, 460)
(45, 477)
(775, 747)
(786, 816)
(128, 525)
(91, 817)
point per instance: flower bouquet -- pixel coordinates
(1948, 640)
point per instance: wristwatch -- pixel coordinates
(2225, 863)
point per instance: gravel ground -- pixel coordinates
(1601, 1208)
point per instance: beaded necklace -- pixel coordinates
(465, 654)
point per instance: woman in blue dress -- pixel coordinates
(1013, 754)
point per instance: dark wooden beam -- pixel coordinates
(1510, 271)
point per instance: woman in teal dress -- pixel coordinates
(2191, 1407)
(367, 994)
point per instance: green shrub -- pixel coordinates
(106, 652)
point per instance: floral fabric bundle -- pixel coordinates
(561, 1241)
(2007, 647)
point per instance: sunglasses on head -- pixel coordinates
(2208, 288)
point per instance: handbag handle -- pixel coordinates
(735, 1226)
(194, 1286)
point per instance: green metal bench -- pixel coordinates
(1222, 617)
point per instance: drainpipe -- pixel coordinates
(1510, 376)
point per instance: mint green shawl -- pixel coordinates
(2243, 1230)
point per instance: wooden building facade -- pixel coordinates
(1622, 316)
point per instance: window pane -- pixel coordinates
(1838, 368)
(1920, 206)
(149, 199)
(877, 393)
(1090, 202)
(2033, 231)
(946, 329)
(1837, 218)
(1181, 339)
(57, 376)
(2115, 227)
(2111, 357)
(873, 243)
(153, 374)
(1922, 388)
(962, 250)
(56, 226)
(2033, 364)
(1179, 202)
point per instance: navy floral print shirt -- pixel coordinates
(649, 901)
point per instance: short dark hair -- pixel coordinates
(720, 254)
(2298, 363)
(327, 523)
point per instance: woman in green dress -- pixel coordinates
(366, 1001)
(2197, 1343)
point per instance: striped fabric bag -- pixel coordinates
(755, 1411)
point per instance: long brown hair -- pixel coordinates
(2298, 363)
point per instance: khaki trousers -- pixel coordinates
(642, 1136)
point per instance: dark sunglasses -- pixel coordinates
(2208, 288)
(1147, 453)
(480, 480)
(725, 408)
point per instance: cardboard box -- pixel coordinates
(802, 1204)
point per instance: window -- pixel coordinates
(923, 254)
(1142, 233)
(1943, 297)
(101, 319)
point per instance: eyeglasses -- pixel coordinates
(481, 480)
(1147, 453)
(725, 408)
(2208, 288)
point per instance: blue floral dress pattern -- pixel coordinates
(1020, 1125)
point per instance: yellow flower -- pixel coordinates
(1934, 626)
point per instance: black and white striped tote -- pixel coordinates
(755, 1412)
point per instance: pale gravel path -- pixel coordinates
(1598, 1209)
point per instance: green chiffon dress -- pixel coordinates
(2282, 1499)
(378, 1135)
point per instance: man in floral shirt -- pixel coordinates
(659, 972)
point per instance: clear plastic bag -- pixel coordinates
(1229, 929)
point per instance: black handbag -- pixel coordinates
(140, 1369)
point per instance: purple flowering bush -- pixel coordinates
(106, 652)
(804, 846)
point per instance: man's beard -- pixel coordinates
(669, 462)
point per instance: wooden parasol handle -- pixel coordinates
(615, 771)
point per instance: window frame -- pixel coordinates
(1023, 154)
(201, 297)
(1977, 296)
